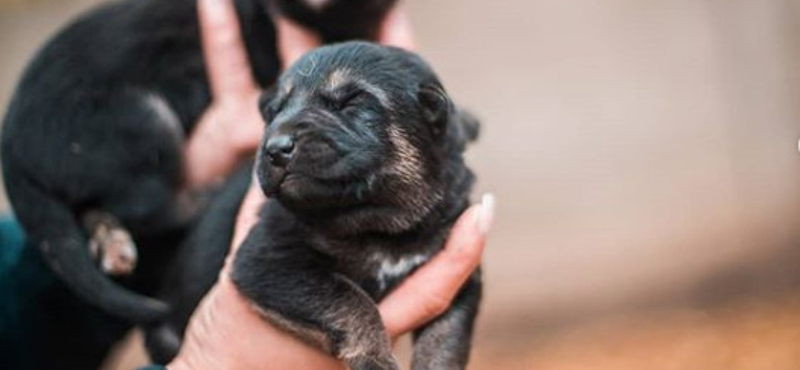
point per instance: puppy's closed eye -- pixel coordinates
(343, 98)
(350, 100)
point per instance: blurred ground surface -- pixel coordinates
(644, 157)
(742, 336)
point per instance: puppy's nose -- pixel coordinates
(279, 149)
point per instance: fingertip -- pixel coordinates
(473, 226)
(396, 29)
(214, 12)
(294, 40)
(485, 218)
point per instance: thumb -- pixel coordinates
(427, 293)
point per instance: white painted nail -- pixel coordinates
(486, 214)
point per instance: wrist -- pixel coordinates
(226, 333)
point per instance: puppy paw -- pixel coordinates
(115, 250)
(387, 362)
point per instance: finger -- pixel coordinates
(427, 293)
(225, 332)
(294, 40)
(248, 213)
(245, 220)
(396, 29)
(227, 65)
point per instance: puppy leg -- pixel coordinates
(445, 342)
(110, 243)
(325, 310)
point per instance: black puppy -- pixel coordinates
(362, 163)
(92, 140)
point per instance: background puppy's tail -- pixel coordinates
(197, 264)
(52, 227)
(162, 342)
(69, 258)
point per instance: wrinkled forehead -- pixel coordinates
(312, 77)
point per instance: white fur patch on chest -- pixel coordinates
(390, 269)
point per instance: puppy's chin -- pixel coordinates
(270, 179)
(306, 194)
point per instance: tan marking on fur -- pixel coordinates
(379, 93)
(435, 348)
(310, 336)
(353, 350)
(363, 339)
(407, 162)
(337, 78)
(287, 86)
(341, 76)
(407, 167)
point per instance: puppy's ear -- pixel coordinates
(470, 126)
(265, 102)
(436, 107)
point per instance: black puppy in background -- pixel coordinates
(92, 141)
(362, 163)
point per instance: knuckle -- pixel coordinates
(434, 304)
(468, 253)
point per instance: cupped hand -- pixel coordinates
(225, 331)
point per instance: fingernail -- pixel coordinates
(485, 215)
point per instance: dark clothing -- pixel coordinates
(42, 324)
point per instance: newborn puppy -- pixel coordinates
(362, 163)
(92, 141)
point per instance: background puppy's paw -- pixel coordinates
(387, 362)
(115, 249)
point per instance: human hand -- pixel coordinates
(295, 40)
(231, 127)
(225, 331)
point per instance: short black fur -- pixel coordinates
(96, 127)
(367, 191)
(97, 124)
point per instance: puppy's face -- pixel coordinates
(357, 125)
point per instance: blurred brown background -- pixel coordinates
(644, 155)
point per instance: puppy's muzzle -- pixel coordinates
(280, 149)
